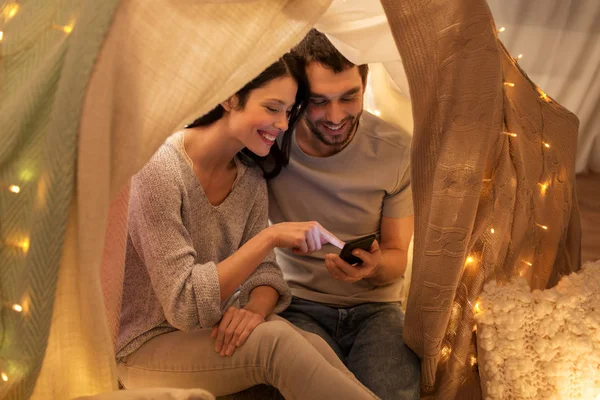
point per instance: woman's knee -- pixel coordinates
(275, 331)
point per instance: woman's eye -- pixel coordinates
(272, 109)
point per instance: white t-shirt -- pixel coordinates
(347, 193)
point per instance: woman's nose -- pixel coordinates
(282, 123)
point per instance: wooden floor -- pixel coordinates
(588, 191)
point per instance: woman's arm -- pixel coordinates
(262, 300)
(191, 293)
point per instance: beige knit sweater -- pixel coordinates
(175, 240)
(493, 180)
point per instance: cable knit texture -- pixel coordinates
(177, 237)
(477, 191)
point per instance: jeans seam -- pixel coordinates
(338, 327)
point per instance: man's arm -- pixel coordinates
(384, 263)
(395, 239)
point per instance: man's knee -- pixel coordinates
(389, 316)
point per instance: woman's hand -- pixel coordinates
(302, 237)
(234, 329)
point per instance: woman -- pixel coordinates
(199, 243)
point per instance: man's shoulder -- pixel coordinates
(375, 129)
(382, 140)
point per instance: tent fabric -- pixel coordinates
(43, 74)
(560, 43)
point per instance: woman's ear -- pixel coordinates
(230, 104)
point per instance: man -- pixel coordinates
(349, 171)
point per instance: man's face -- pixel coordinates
(336, 103)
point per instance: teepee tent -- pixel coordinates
(91, 89)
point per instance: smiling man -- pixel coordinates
(350, 171)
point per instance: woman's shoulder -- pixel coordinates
(165, 164)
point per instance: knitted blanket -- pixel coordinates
(493, 180)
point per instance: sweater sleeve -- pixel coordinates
(189, 293)
(268, 272)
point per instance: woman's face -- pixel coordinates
(265, 115)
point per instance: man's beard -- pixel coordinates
(326, 140)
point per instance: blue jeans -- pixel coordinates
(368, 339)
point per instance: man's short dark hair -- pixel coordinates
(316, 47)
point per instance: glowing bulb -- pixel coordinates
(527, 262)
(446, 351)
(24, 245)
(65, 28)
(544, 186)
(546, 145)
(519, 57)
(543, 95)
(17, 307)
(469, 260)
(544, 227)
(510, 84)
(502, 29)
(4, 377)
(492, 230)
(26, 175)
(14, 188)
(473, 360)
(511, 134)
(10, 10)
(477, 308)
(1, 35)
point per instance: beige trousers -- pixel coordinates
(300, 364)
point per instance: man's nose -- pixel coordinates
(335, 113)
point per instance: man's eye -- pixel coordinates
(347, 99)
(317, 102)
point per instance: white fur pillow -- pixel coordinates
(541, 344)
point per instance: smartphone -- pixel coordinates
(364, 243)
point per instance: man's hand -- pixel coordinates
(341, 270)
(234, 329)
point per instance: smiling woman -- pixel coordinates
(259, 112)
